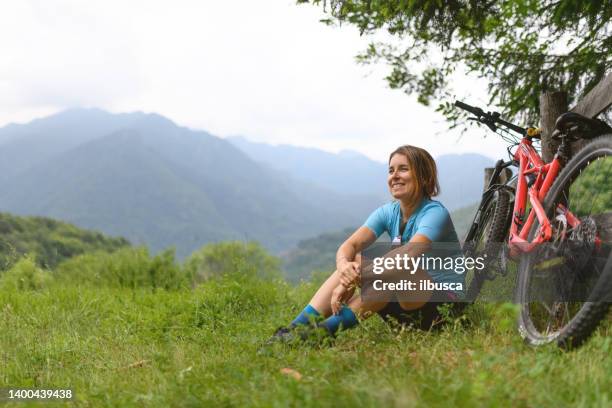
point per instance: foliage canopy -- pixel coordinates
(129, 267)
(521, 47)
(232, 258)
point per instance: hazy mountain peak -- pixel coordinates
(352, 154)
(154, 119)
(90, 116)
(82, 111)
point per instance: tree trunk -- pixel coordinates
(488, 173)
(503, 177)
(552, 104)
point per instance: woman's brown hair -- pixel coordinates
(423, 167)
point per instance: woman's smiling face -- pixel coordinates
(401, 184)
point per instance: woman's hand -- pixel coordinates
(349, 273)
(341, 295)
(348, 255)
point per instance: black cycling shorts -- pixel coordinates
(425, 318)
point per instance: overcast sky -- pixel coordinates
(267, 70)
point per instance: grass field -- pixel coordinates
(202, 347)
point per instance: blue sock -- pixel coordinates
(305, 316)
(345, 320)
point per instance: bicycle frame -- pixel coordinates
(535, 178)
(542, 175)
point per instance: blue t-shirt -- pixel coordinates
(431, 219)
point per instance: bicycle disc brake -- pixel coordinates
(581, 243)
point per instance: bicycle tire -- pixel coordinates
(586, 319)
(492, 231)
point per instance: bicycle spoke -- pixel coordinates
(593, 203)
(552, 322)
(546, 307)
(547, 331)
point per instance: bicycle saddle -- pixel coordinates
(575, 126)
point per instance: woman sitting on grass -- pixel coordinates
(412, 217)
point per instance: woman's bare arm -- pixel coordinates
(346, 262)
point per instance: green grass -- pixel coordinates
(202, 347)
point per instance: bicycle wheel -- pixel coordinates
(491, 232)
(564, 286)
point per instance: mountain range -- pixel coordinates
(143, 177)
(460, 175)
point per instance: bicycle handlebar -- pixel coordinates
(491, 119)
(472, 109)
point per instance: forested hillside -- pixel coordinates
(48, 241)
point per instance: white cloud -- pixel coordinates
(266, 70)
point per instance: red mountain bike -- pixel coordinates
(555, 220)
